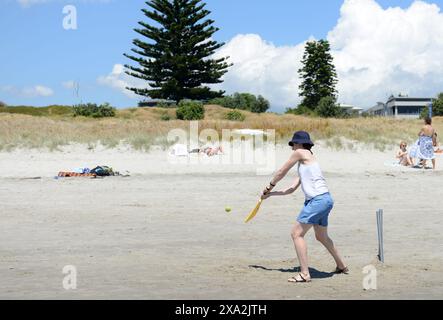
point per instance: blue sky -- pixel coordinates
(37, 55)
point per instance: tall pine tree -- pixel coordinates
(318, 74)
(176, 61)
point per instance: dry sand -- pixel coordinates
(163, 233)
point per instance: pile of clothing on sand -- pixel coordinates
(99, 171)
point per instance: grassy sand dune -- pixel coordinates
(142, 128)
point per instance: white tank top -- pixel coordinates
(312, 181)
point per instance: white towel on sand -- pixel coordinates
(392, 164)
(180, 150)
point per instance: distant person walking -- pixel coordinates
(427, 141)
(317, 206)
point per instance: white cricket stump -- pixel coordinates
(381, 255)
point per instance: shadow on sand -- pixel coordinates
(315, 274)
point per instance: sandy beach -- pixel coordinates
(163, 232)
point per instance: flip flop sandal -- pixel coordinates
(295, 280)
(341, 271)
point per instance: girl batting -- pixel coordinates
(316, 208)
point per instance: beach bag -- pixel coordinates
(102, 171)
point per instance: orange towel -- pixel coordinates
(74, 174)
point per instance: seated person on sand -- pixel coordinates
(403, 155)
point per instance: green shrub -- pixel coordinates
(166, 105)
(301, 110)
(190, 110)
(261, 105)
(437, 107)
(235, 116)
(94, 111)
(165, 117)
(328, 108)
(226, 102)
(243, 101)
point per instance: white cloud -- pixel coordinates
(119, 80)
(382, 51)
(377, 52)
(29, 3)
(69, 84)
(262, 68)
(28, 92)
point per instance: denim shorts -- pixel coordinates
(316, 211)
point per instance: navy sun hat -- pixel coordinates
(301, 137)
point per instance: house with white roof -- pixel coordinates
(400, 106)
(350, 109)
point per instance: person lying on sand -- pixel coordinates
(317, 206)
(210, 151)
(403, 155)
(213, 151)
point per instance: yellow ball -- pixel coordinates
(228, 209)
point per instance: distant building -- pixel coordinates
(350, 109)
(379, 110)
(401, 106)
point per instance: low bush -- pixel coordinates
(190, 110)
(166, 105)
(328, 108)
(94, 111)
(235, 116)
(243, 101)
(301, 110)
(165, 117)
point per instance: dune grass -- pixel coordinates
(143, 128)
(54, 110)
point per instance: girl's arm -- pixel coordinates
(286, 192)
(295, 157)
(401, 154)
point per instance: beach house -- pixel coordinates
(401, 106)
(350, 109)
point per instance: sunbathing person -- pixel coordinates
(209, 151)
(403, 155)
(212, 151)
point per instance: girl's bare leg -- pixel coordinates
(321, 234)
(298, 233)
